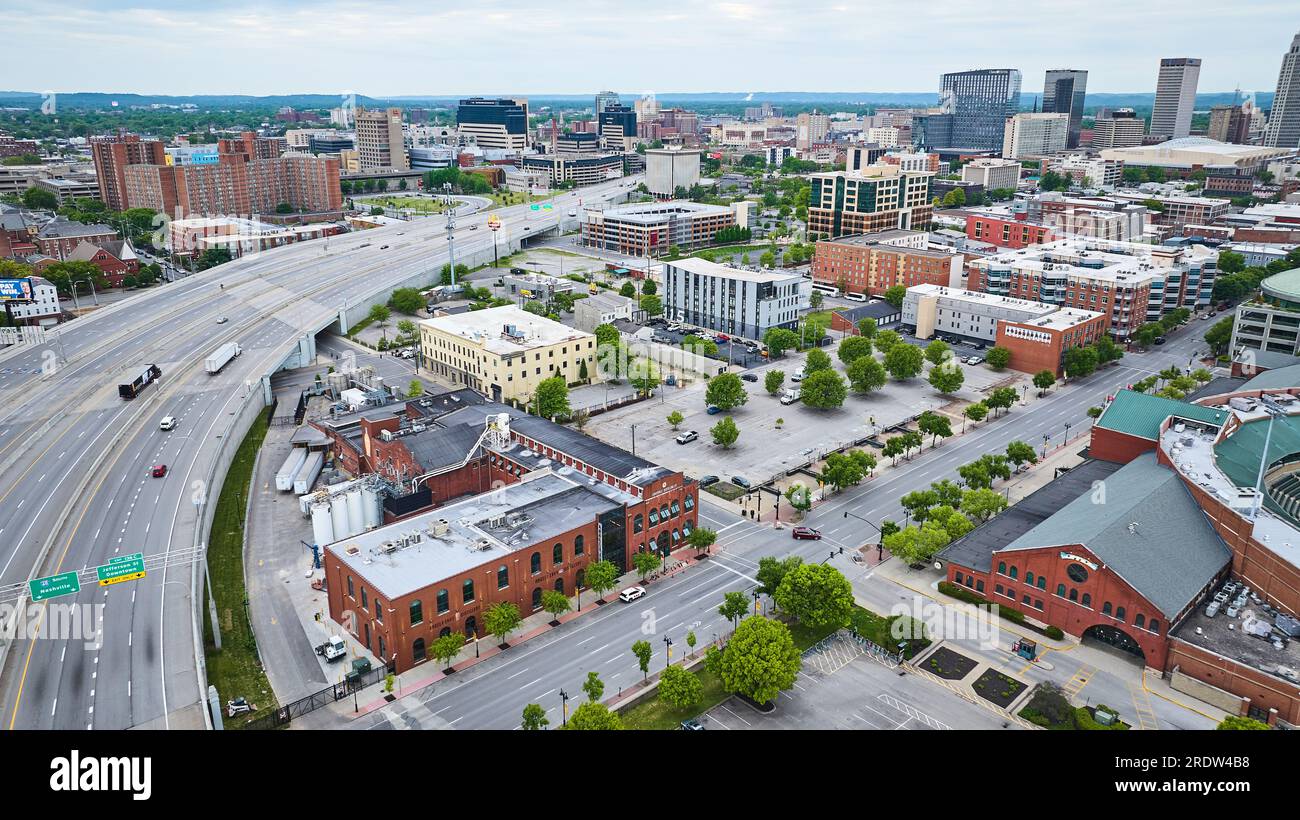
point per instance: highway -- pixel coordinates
(75, 459)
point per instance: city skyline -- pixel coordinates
(694, 48)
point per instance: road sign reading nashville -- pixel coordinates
(122, 568)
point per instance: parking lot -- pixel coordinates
(764, 449)
(736, 353)
(842, 688)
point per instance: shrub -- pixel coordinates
(1054, 632)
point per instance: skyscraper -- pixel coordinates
(380, 141)
(617, 128)
(1283, 129)
(1063, 93)
(112, 155)
(980, 102)
(494, 123)
(604, 100)
(1171, 116)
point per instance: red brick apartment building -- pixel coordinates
(113, 155)
(874, 262)
(1007, 231)
(501, 509)
(1040, 344)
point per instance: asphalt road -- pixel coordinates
(74, 458)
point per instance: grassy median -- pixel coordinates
(235, 670)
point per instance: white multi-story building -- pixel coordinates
(1283, 129)
(886, 137)
(667, 169)
(735, 301)
(993, 174)
(938, 309)
(43, 309)
(777, 154)
(1090, 170)
(811, 129)
(1035, 135)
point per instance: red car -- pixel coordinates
(806, 534)
(159, 470)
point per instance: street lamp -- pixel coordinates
(668, 660)
(1067, 432)
(1046, 438)
(758, 607)
(564, 708)
(633, 439)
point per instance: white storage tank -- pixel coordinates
(356, 519)
(370, 515)
(290, 468)
(339, 515)
(322, 528)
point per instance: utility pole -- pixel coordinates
(451, 227)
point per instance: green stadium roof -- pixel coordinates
(1140, 415)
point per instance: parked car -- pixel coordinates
(741, 482)
(714, 410)
(806, 534)
(1160, 340)
(797, 376)
(631, 594)
(687, 437)
(722, 337)
(709, 480)
(691, 725)
(159, 470)
(974, 360)
(749, 377)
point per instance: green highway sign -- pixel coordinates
(53, 586)
(122, 568)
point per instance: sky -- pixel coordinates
(453, 47)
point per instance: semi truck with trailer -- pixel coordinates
(220, 357)
(133, 388)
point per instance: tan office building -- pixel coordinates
(380, 143)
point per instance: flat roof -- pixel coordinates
(978, 297)
(481, 529)
(704, 267)
(653, 212)
(485, 328)
(1233, 638)
(1064, 319)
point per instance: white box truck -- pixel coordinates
(221, 357)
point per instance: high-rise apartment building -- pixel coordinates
(1035, 135)
(617, 128)
(1121, 128)
(1229, 123)
(112, 157)
(604, 100)
(811, 129)
(876, 198)
(1283, 129)
(979, 102)
(1171, 116)
(380, 143)
(495, 123)
(1063, 93)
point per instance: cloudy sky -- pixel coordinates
(386, 47)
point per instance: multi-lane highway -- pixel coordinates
(76, 488)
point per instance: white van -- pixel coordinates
(168, 423)
(797, 376)
(631, 594)
(790, 396)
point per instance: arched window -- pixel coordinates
(467, 591)
(663, 513)
(1029, 578)
(677, 536)
(557, 554)
(979, 586)
(1087, 600)
(559, 585)
(638, 523)
(471, 627)
(1105, 608)
(417, 612)
(654, 517)
(503, 577)
(1014, 573)
(444, 632)
(578, 545)
(1139, 620)
(1154, 625)
(675, 507)
(687, 526)
(417, 650)
(1119, 614)
(1060, 590)
(535, 563)
(443, 604)
(689, 503)
(1038, 603)
(537, 598)
(582, 576)
(1074, 594)
(1002, 567)
(1042, 582)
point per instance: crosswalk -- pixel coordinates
(1146, 716)
(1081, 677)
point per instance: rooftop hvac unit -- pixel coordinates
(388, 547)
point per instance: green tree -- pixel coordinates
(725, 432)
(593, 716)
(1044, 379)
(606, 334)
(999, 358)
(1001, 399)
(415, 389)
(447, 647)
(39, 199)
(843, 470)
(645, 562)
(903, 361)
(534, 718)
(679, 688)
(866, 374)
(379, 314)
(628, 290)
(652, 304)
(854, 348)
(760, 660)
(1219, 336)
(947, 377)
(555, 602)
(641, 649)
(767, 260)
(886, 340)
(644, 376)
(934, 425)
(817, 360)
(867, 327)
(601, 577)
(552, 398)
(895, 295)
(1018, 452)
(702, 538)
(823, 390)
(594, 687)
(1235, 722)
(937, 352)
(734, 606)
(773, 380)
(675, 418)
(982, 504)
(699, 346)
(815, 300)
(779, 340)
(1231, 262)
(726, 391)
(1079, 362)
(502, 619)
(772, 571)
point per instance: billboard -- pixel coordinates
(16, 290)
